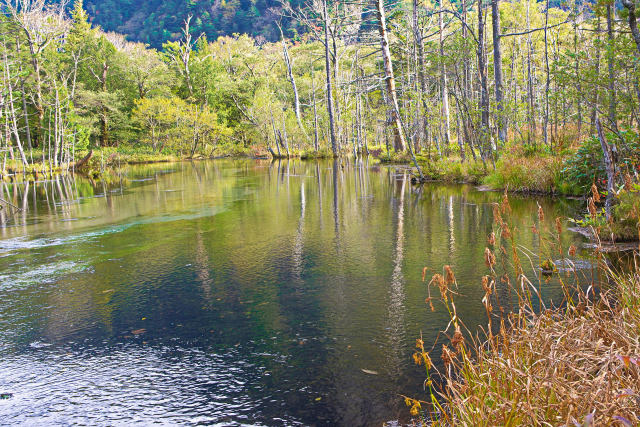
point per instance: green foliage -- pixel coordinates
(586, 165)
(626, 215)
(173, 125)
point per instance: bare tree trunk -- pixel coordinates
(548, 82)
(497, 69)
(610, 58)
(484, 93)
(443, 84)
(315, 113)
(530, 90)
(292, 80)
(399, 142)
(284, 131)
(275, 133)
(610, 168)
(596, 100)
(421, 75)
(332, 126)
(578, 82)
(12, 112)
(104, 126)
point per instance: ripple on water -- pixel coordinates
(131, 385)
(27, 275)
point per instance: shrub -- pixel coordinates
(586, 165)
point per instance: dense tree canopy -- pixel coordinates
(155, 21)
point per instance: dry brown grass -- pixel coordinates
(563, 368)
(577, 364)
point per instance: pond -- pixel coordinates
(235, 291)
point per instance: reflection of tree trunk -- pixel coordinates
(397, 295)
(201, 263)
(452, 235)
(298, 245)
(336, 218)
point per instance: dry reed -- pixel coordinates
(577, 364)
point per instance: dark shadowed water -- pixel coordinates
(234, 292)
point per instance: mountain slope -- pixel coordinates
(156, 21)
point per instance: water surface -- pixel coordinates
(234, 292)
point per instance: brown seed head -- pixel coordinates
(506, 233)
(595, 193)
(450, 277)
(592, 207)
(457, 339)
(540, 213)
(497, 217)
(506, 207)
(438, 280)
(489, 258)
(447, 356)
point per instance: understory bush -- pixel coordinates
(586, 165)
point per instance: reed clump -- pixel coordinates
(573, 364)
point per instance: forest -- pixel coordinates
(534, 106)
(441, 79)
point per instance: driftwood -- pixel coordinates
(80, 163)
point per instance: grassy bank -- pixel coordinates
(577, 363)
(516, 170)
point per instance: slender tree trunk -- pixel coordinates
(292, 80)
(315, 113)
(332, 126)
(399, 142)
(104, 125)
(610, 168)
(530, 89)
(421, 75)
(497, 69)
(284, 131)
(610, 64)
(275, 133)
(14, 120)
(444, 95)
(548, 81)
(596, 97)
(578, 82)
(484, 93)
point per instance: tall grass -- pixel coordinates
(577, 363)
